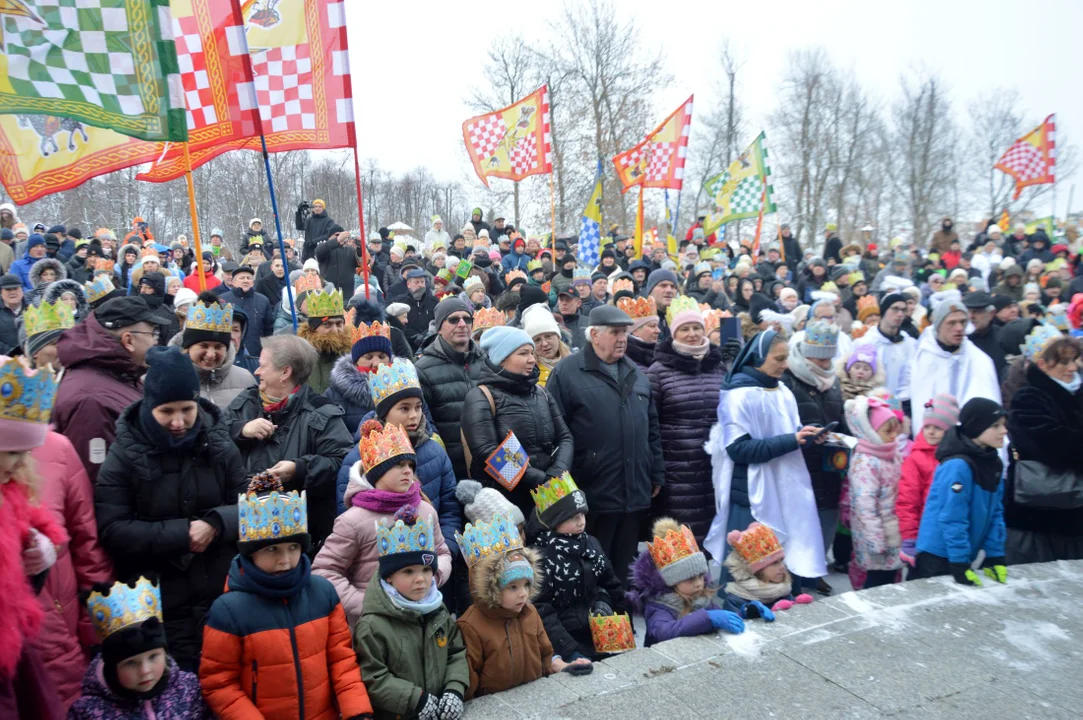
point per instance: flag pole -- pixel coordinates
(639, 225)
(278, 227)
(361, 223)
(195, 220)
(553, 212)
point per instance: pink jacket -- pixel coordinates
(66, 633)
(349, 557)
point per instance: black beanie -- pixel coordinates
(155, 281)
(890, 299)
(123, 644)
(564, 509)
(170, 377)
(978, 415)
(412, 555)
(531, 295)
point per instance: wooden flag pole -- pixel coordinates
(195, 220)
(639, 225)
(361, 224)
(553, 212)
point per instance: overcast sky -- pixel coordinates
(414, 61)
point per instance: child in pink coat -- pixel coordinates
(941, 414)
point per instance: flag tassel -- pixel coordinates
(195, 219)
(278, 225)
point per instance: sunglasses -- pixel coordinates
(456, 319)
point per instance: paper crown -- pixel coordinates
(307, 283)
(638, 308)
(26, 395)
(482, 539)
(675, 545)
(444, 275)
(758, 546)
(821, 333)
(1038, 340)
(612, 633)
(380, 445)
(533, 265)
(124, 606)
(104, 266)
(404, 538)
(471, 283)
(623, 285)
(48, 316)
(546, 495)
(213, 318)
(390, 379)
(270, 516)
(486, 318)
(680, 304)
(149, 252)
(98, 288)
(712, 319)
(701, 268)
(365, 330)
(581, 274)
(514, 275)
(322, 304)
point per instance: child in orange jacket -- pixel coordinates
(276, 644)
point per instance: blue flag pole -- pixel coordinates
(278, 228)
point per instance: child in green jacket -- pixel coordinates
(412, 655)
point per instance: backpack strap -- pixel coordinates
(462, 436)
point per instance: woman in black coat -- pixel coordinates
(510, 375)
(686, 376)
(1045, 423)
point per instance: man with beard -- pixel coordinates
(326, 331)
(422, 307)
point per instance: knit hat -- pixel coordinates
(978, 415)
(34, 240)
(537, 320)
(879, 413)
(170, 377)
(557, 500)
(821, 339)
(311, 264)
(392, 383)
(184, 297)
(863, 353)
(370, 337)
(409, 541)
(660, 275)
(267, 515)
(890, 299)
(675, 552)
(867, 307)
(949, 302)
(482, 504)
(500, 342)
(942, 412)
(446, 307)
(757, 545)
(531, 295)
(383, 447)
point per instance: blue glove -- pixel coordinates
(726, 620)
(756, 609)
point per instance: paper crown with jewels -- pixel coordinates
(612, 633)
(26, 404)
(444, 275)
(471, 283)
(48, 316)
(123, 606)
(580, 274)
(213, 318)
(712, 319)
(382, 443)
(389, 380)
(638, 308)
(264, 517)
(323, 304)
(98, 288)
(533, 265)
(701, 268)
(681, 304)
(486, 318)
(623, 285)
(104, 266)
(373, 330)
(307, 283)
(1040, 338)
(402, 537)
(758, 546)
(547, 495)
(514, 275)
(482, 539)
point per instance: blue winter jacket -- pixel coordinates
(961, 517)
(22, 269)
(513, 261)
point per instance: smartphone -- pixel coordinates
(729, 329)
(823, 431)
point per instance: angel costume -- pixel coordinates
(762, 413)
(964, 374)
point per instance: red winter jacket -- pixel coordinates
(917, 477)
(192, 281)
(66, 633)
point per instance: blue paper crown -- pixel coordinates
(213, 318)
(271, 516)
(819, 332)
(403, 538)
(702, 267)
(26, 395)
(123, 606)
(390, 379)
(581, 274)
(479, 540)
(1038, 340)
(98, 288)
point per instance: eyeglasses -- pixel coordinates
(153, 333)
(464, 319)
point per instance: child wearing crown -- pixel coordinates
(276, 643)
(502, 624)
(349, 382)
(134, 676)
(760, 584)
(411, 651)
(670, 586)
(381, 482)
(579, 579)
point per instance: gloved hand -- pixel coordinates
(601, 608)
(40, 554)
(730, 350)
(964, 575)
(756, 609)
(909, 552)
(428, 707)
(995, 569)
(803, 599)
(782, 605)
(451, 706)
(726, 620)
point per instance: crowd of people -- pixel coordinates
(380, 476)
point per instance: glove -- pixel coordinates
(730, 350)
(803, 599)
(964, 575)
(909, 552)
(451, 706)
(428, 708)
(726, 620)
(995, 569)
(40, 554)
(756, 609)
(782, 605)
(601, 608)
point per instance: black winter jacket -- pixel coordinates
(531, 413)
(311, 433)
(685, 392)
(446, 376)
(146, 497)
(316, 229)
(819, 408)
(9, 328)
(421, 316)
(338, 264)
(618, 446)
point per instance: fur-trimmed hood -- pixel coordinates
(857, 419)
(646, 582)
(54, 290)
(42, 265)
(878, 379)
(125, 248)
(485, 577)
(350, 382)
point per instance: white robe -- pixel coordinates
(965, 374)
(780, 491)
(894, 359)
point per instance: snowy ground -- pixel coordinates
(924, 649)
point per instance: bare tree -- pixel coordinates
(722, 127)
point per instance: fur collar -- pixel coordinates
(485, 582)
(350, 382)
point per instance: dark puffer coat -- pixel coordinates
(531, 413)
(819, 408)
(145, 499)
(686, 395)
(349, 389)
(446, 376)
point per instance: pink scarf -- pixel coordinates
(884, 451)
(385, 502)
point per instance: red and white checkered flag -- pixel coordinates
(1032, 159)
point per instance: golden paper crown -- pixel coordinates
(378, 445)
(512, 275)
(322, 304)
(638, 308)
(307, 283)
(124, 606)
(104, 266)
(26, 395)
(408, 534)
(675, 546)
(213, 318)
(99, 287)
(758, 546)
(376, 329)
(545, 496)
(486, 318)
(149, 252)
(389, 380)
(623, 285)
(533, 265)
(48, 316)
(680, 304)
(481, 539)
(612, 633)
(712, 319)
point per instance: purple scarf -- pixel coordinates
(385, 502)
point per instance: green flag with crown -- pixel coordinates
(738, 192)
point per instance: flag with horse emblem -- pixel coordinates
(508, 463)
(106, 63)
(514, 142)
(658, 161)
(743, 190)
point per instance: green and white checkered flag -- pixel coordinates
(107, 63)
(739, 190)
